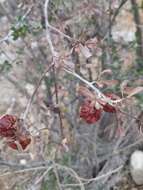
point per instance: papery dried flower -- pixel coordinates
(89, 113)
(7, 126)
(24, 142)
(12, 129)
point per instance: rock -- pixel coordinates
(136, 167)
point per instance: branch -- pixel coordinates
(34, 93)
(49, 165)
(54, 53)
(98, 93)
(80, 179)
(55, 57)
(137, 20)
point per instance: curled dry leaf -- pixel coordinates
(135, 91)
(85, 51)
(106, 71)
(107, 82)
(128, 90)
(86, 92)
(123, 85)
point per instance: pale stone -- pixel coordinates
(23, 162)
(136, 167)
(30, 88)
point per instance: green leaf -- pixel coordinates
(5, 66)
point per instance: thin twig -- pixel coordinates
(61, 33)
(80, 179)
(34, 93)
(55, 56)
(118, 11)
(122, 150)
(73, 173)
(57, 176)
(43, 175)
(49, 166)
(25, 170)
(57, 102)
(98, 93)
(54, 53)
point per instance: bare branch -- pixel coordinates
(34, 93)
(98, 93)
(54, 53)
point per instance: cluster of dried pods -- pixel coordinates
(12, 129)
(90, 111)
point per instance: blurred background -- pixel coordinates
(105, 46)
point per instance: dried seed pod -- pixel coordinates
(11, 127)
(7, 126)
(89, 113)
(107, 107)
(24, 142)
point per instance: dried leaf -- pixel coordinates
(86, 92)
(128, 90)
(85, 51)
(109, 82)
(123, 86)
(135, 91)
(106, 71)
